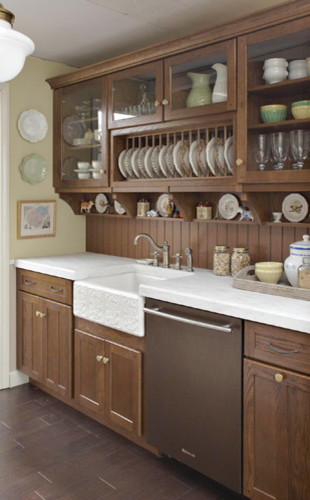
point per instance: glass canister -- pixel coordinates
(304, 273)
(240, 258)
(221, 260)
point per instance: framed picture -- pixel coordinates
(36, 219)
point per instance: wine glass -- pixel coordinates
(299, 142)
(280, 147)
(262, 150)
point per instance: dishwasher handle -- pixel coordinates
(210, 326)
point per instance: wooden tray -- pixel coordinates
(246, 280)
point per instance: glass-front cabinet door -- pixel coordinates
(201, 81)
(80, 158)
(135, 95)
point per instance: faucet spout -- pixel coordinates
(164, 249)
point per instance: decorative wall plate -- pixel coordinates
(228, 206)
(295, 207)
(33, 169)
(101, 203)
(32, 125)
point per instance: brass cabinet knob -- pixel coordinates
(278, 377)
(99, 358)
(40, 315)
(105, 360)
(165, 102)
(239, 162)
(156, 103)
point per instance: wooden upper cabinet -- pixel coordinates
(276, 433)
(80, 135)
(135, 95)
(265, 164)
(201, 81)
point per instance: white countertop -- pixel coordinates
(201, 290)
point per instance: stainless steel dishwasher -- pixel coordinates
(194, 389)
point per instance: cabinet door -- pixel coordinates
(29, 335)
(276, 433)
(201, 82)
(124, 386)
(135, 95)
(89, 371)
(56, 343)
(80, 136)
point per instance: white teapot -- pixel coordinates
(298, 250)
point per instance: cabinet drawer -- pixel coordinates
(50, 287)
(285, 348)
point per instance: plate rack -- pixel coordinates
(190, 154)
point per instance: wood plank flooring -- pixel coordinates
(50, 451)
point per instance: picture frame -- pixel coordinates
(36, 219)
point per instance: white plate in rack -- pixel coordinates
(229, 154)
(295, 207)
(210, 154)
(134, 162)
(121, 164)
(155, 161)
(162, 160)
(127, 163)
(148, 163)
(169, 161)
(141, 167)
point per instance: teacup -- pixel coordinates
(277, 216)
(96, 164)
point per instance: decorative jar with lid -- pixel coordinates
(221, 260)
(240, 258)
(298, 251)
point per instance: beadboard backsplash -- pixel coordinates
(115, 235)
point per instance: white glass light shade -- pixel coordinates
(14, 48)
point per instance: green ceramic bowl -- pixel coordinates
(273, 113)
(300, 103)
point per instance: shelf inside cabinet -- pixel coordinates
(281, 126)
(281, 89)
(86, 146)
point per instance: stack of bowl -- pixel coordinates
(273, 113)
(269, 272)
(83, 167)
(301, 109)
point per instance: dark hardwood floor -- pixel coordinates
(50, 451)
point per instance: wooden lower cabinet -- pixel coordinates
(108, 380)
(44, 342)
(276, 433)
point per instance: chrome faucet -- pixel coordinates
(164, 249)
(189, 254)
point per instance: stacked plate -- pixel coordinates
(182, 159)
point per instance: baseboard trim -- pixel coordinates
(18, 378)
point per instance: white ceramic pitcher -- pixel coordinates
(219, 93)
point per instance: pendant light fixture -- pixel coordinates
(14, 47)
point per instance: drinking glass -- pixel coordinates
(262, 150)
(299, 143)
(280, 146)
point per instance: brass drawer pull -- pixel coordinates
(280, 351)
(278, 377)
(54, 290)
(29, 283)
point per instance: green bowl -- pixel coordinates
(273, 115)
(300, 103)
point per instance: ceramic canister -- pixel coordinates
(297, 69)
(298, 250)
(275, 70)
